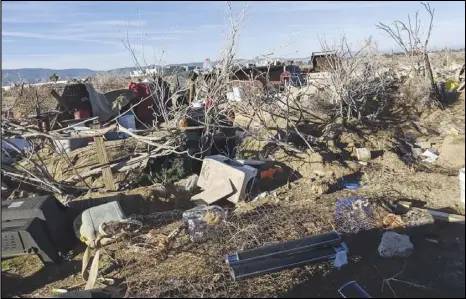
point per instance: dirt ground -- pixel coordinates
(300, 201)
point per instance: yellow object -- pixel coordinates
(183, 123)
(451, 85)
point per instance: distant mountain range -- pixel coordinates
(34, 75)
(37, 75)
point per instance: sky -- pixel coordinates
(60, 35)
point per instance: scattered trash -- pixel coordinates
(359, 204)
(351, 186)
(251, 162)
(261, 195)
(127, 121)
(363, 163)
(431, 156)
(395, 245)
(392, 221)
(417, 152)
(191, 183)
(286, 255)
(424, 144)
(451, 85)
(431, 240)
(402, 207)
(353, 290)
(203, 221)
(352, 215)
(363, 154)
(341, 259)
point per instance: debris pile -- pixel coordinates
(255, 173)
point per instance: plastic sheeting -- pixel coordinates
(102, 104)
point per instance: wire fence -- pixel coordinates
(165, 262)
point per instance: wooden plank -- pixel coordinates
(60, 100)
(103, 160)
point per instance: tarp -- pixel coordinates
(103, 104)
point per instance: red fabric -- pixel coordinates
(141, 90)
(143, 111)
(208, 103)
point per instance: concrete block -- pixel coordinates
(220, 168)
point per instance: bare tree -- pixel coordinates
(355, 77)
(414, 42)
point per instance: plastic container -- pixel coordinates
(353, 290)
(69, 145)
(127, 121)
(86, 225)
(110, 136)
(461, 178)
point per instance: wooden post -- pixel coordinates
(103, 160)
(191, 91)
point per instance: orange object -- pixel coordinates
(183, 123)
(269, 173)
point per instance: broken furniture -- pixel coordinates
(35, 225)
(352, 289)
(286, 255)
(223, 177)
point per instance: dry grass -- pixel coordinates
(199, 270)
(22, 101)
(105, 82)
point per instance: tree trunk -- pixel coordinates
(430, 77)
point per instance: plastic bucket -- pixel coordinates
(127, 121)
(461, 178)
(353, 290)
(69, 145)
